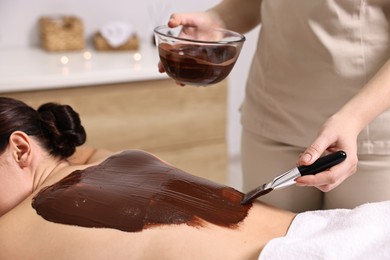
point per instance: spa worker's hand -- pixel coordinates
(341, 130)
(228, 14)
(334, 136)
(203, 19)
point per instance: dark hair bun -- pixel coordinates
(62, 128)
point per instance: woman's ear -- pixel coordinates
(21, 148)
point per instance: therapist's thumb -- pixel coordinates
(174, 20)
(187, 19)
(196, 19)
(311, 154)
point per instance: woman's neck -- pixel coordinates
(47, 167)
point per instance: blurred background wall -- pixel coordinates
(19, 29)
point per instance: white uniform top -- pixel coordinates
(312, 57)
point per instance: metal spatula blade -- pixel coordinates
(254, 194)
(288, 178)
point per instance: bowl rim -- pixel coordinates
(241, 36)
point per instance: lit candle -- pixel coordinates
(87, 55)
(64, 60)
(137, 56)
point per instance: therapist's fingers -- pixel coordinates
(160, 67)
(316, 149)
(197, 19)
(189, 19)
(324, 181)
(330, 179)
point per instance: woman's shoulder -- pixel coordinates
(89, 155)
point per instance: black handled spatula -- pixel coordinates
(288, 178)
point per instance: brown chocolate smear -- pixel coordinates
(135, 190)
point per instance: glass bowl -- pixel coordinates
(197, 56)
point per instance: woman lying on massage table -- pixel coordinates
(132, 205)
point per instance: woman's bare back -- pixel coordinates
(25, 234)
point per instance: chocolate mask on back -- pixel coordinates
(134, 190)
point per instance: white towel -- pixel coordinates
(117, 33)
(360, 233)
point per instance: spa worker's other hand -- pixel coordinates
(200, 19)
(341, 130)
(335, 135)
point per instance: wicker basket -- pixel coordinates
(65, 33)
(101, 44)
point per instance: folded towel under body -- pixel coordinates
(360, 233)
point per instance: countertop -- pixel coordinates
(24, 69)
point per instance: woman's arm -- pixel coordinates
(340, 131)
(237, 15)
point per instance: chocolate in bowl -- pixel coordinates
(191, 60)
